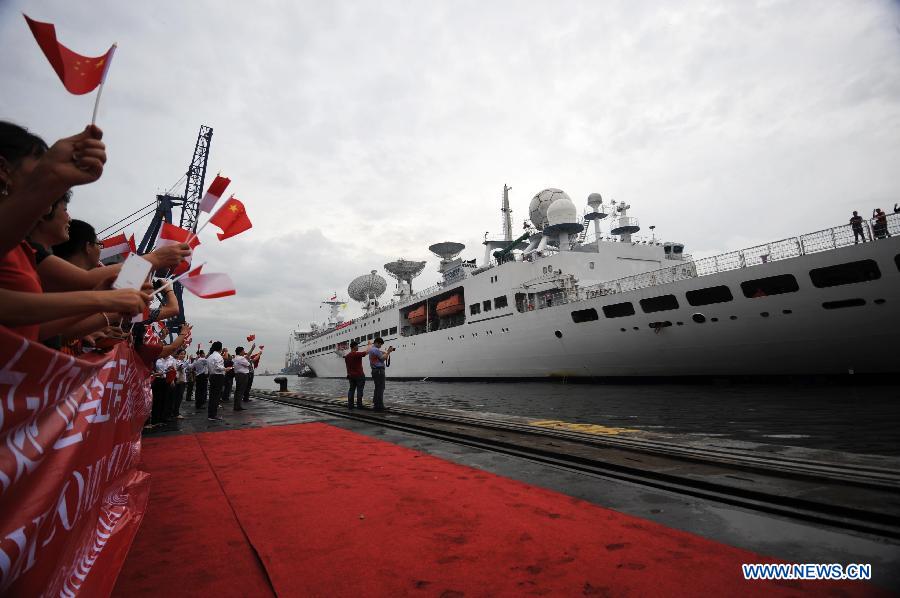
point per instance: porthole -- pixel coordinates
(623, 330)
(679, 323)
(636, 328)
(699, 318)
(558, 334)
(878, 302)
(787, 311)
(732, 317)
(714, 319)
(764, 314)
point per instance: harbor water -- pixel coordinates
(856, 419)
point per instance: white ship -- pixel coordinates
(575, 299)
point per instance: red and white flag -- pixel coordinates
(151, 336)
(117, 245)
(170, 234)
(214, 194)
(208, 286)
(251, 338)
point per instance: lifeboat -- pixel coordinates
(416, 316)
(450, 306)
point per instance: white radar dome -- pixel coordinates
(540, 203)
(562, 211)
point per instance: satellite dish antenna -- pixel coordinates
(404, 271)
(367, 289)
(447, 250)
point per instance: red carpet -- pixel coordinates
(189, 542)
(333, 513)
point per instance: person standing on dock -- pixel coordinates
(201, 378)
(216, 380)
(856, 223)
(355, 374)
(241, 367)
(377, 360)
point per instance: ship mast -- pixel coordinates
(507, 214)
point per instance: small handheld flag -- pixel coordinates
(208, 286)
(79, 74)
(231, 218)
(214, 194)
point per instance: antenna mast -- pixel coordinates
(507, 215)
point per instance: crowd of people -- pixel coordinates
(55, 290)
(207, 380)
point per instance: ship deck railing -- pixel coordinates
(792, 247)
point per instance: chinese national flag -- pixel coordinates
(231, 218)
(79, 74)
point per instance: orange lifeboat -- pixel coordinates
(416, 316)
(451, 305)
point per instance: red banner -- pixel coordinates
(71, 496)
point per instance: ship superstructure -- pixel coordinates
(584, 296)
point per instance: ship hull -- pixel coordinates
(850, 328)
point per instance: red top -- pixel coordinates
(353, 359)
(18, 272)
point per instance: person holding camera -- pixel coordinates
(378, 360)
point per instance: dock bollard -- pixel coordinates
(281, 381)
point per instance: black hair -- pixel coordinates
(216, 346)
(378, 339)
(17, 143)
(239, 351)
(80, 234)
(66, 198)
(200, 352)
(354, 343)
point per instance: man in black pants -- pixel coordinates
(378, 359)
(201, 370)
(241, 377)
(355, 373)
(216, 380)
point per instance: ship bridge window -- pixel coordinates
(709, 295)
(486, 304)
(772, 285)
(500, 302)
(475, 309)
(370, 337)
(849, 273)
(585, 315)
(661, 303)
(618, 310)
(384, 333)
(393, 330)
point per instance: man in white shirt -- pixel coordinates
(242, 368)
(181, 366)
(162, 387)
(216, 364)
(201, 380)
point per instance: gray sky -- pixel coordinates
(360, 132)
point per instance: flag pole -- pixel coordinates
(109, 57)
